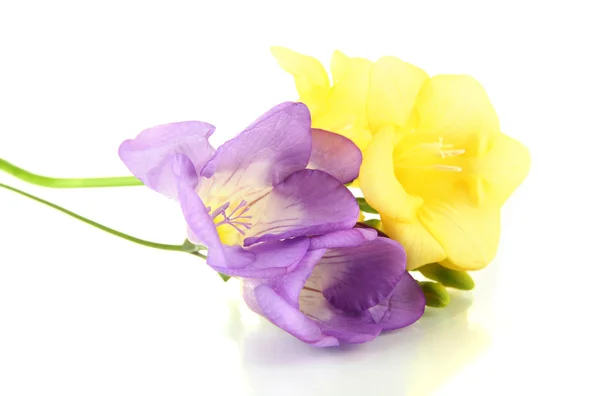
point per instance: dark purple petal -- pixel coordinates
(264, 154)
(335, 154)
(337, 239)
(359, 277)
(348, 327)
(308, 202)
(148, 155)
(405, 306)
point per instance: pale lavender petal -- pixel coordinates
(308, 202)
(264, 154)
(270, 259)
(148, 155)
(405, 306)
(337, 239)
(359, 277)
(335, 154)
(200, 223)
(279, 312)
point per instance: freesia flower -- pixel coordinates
(436, 166)
(252, 202)
(349, 287)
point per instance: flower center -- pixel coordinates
(232, 224)
(421, 155)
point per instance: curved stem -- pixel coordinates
(187, 246)
(54, 182)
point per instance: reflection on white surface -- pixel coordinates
(411, 361)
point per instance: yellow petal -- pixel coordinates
(394, 88)
(348, 96)
(497, 173)
(456, 109)
(468, 234)
(421, 248)
(312, 82)
(378, 180)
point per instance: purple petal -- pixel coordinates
(305, 313)
(308, 202)
(337, 239)
(270, 259)
(360, 277)
(265, 260)
(348, 327)
(335, 154)
(264, 154)
(148, 155)
(196, 215)
(405, 306)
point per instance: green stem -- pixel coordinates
(186, 247)
(53, 182)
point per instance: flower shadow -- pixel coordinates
(413, 361)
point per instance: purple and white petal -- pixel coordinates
(343, 238)
(269, 260)
(303, 311)
(148, 155)
(200, 223)
(308, 202)
(404, 307)
(264, 154)
(335, 154)
(357, 278)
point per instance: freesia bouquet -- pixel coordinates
(325, 208)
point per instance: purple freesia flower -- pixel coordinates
(252, 202)
(349, 287)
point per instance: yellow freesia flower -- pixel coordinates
(435, 164)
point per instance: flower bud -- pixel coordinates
(448, 277)
(435, 293)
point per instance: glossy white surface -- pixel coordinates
(84, 313)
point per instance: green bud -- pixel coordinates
(436, 294)
(448, 277)
(375, 223)
(365, 207)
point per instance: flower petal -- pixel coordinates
(308, 202)
(270, 259)
(306, 314)
(344, 238)
(346, 114)
(264, 260)
(394, 88)
(356, 278)
(457, 109)
(378, 181)
(148, 155)
(497, 173)
(264, 154)
(312, 82)
(335, 154)
(469, 234)
(404, 307)
(421, 247)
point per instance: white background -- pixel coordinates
(85, 313)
